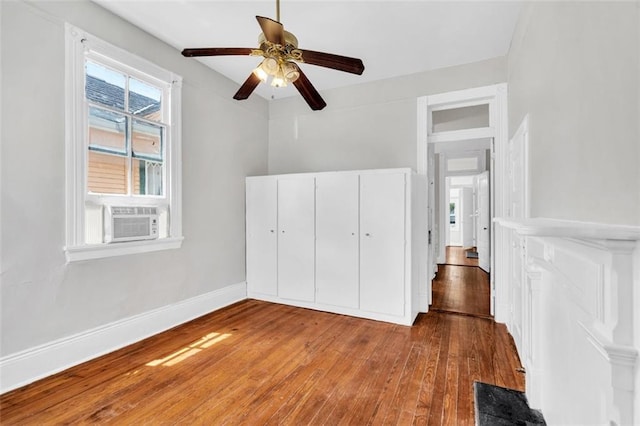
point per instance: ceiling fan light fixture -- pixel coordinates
(279, 80)
(261, 73)
(270, 65)
(290, 71)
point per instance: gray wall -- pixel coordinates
(573, 66)
(371, 125)
(43, 298)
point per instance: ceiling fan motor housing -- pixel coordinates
(290, 41)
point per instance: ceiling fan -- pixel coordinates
(279, 48)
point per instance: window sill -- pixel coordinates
(98, 251)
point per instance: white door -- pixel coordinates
(466, 216)
(518, 173)
(484, 223)
(517, 199)
(337, 240)
(296, 238)
(262, 240)
(382, 243)
(432, 234)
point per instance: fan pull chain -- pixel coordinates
(278, 10)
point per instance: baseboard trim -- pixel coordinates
(22, 368)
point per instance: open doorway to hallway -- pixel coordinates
(461, 285)
(469, 215)
(462, 133)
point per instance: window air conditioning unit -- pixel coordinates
(124, 223)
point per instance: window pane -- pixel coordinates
(452, 213)
(147, 177)
(106, 173)
(107, 131)
(146, 140)
(104, 86)
(460, 118)
(145, 100)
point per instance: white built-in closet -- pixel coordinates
(345, 242)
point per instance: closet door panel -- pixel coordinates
(337, 240)
(382, 243)
(262, 240)
(296, 238)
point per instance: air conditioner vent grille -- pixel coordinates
(130, 223)
(131, 211)
(131, 227)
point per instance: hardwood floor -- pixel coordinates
(458, 256)
(462, 289)
(460, 286)
(261, 363)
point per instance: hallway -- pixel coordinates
(461, 287)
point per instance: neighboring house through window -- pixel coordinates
(122, 151)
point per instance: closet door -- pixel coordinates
(337, 240)
(296, 238)
(382, 243)
(262, 240)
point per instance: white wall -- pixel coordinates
(43, 298)
(371, 125)
(573, 66)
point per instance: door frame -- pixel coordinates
(495, 96)
(484, 218)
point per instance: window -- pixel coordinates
(452, 213)
(126, 133)
(123, 146)
(461, 118)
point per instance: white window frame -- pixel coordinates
(79, 46)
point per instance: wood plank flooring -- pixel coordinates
(256, 363)
(462, 289)
(458, 256)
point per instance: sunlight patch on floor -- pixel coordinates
(192, 349)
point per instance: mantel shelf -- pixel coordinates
(546, 227)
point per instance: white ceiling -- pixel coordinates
(392, 37)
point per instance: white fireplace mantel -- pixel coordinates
(558, 228)
(572, 303)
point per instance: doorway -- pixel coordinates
(469, 218)
(462, 202)
(460, 285)
(462, 134)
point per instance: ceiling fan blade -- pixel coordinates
(272, 30)
(247, 87)
(217, 51)
(308, 92)
(336, 62)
